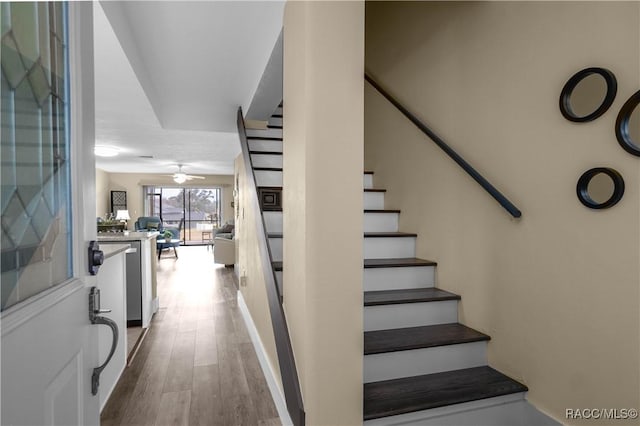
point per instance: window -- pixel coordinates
(34, 145)
(200, 208)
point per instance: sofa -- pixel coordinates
(225, 231)
(224, 244)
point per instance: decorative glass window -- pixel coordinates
(34, 150)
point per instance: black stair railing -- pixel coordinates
(499, 197)
(286, 361)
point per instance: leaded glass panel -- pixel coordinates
(34, 150)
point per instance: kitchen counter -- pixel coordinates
(131, 236)
(113, 249)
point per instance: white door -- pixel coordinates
(49, 347)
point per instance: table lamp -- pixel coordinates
(123, 216)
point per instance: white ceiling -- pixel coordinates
(170, 78)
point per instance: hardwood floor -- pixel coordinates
(196, 366)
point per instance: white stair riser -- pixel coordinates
(394, 365)
(273, 221)
(266, 160)
(275, 244)
(265, 145)
(264, 133)
(275, 121)
(268, 178)
(512, 410)
(402, 315)
(376, 279)
(381, 222)
(374, 200)
(277, 111)
(368, 181)
(279, 280)
(389, 247)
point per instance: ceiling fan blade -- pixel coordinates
(195, 177)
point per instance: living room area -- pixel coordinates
(198, 211)
(179, 178)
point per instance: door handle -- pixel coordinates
(94, 310)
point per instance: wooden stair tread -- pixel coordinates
(277, 266)
(276, 115)
(397, 262)
(411, 295)
(368, 172)
(426, 336)
(381, 211)
(366, 234)
(388, 234)
(265, 152)
(374, 190)
(409, 394)
(273, 127)
(268, 169)
(263, 138)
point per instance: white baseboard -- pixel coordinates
(269, 374)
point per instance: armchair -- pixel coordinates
(144, 222)
(174, 230)
(224, 251)
(174, 241)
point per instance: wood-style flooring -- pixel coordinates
(133, 334)
(196, 366)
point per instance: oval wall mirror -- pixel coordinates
(628, 125)
(588, 94)
(600, 188)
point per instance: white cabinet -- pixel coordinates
(142, 300)
(112, 285)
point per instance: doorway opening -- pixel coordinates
(199, 207)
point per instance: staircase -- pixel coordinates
(265, 148)
(421, 367)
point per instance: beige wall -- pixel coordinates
(133, 182)
(322, 201)
(249, 266)
(103, 205)
(558, 290)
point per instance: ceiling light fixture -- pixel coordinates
(180, 178)
(106, 151)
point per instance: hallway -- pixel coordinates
(197, 365)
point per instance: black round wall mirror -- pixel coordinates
(588, 94)
(600, 188)
(628, 125)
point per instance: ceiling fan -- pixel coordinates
(182, 177)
